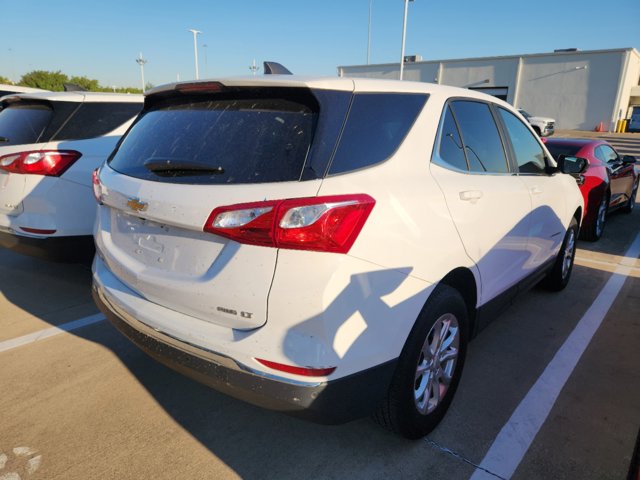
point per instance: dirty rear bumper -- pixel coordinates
(333, 402)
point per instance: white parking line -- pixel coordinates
(49, 332)
(516, 436)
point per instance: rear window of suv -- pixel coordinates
(23, 123)
(254, 136)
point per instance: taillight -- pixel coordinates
(324, 224)
(52, 163)
(306, 371)
(97, 186)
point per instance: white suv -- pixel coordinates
(50, 143)
(327, 247)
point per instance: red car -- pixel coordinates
(610, 181)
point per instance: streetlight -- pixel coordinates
(254, 68)
(404, 34)
(141, 61)
(369, 34)
(206, 63)
(195, 48)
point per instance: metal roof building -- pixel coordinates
(580, 89)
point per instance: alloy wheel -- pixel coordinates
(437, 363)
(569, 248)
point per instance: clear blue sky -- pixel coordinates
(101, 39)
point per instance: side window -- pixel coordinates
(96, 119)
(528, 152)
(450, 150)
(480, 137)
(375, 128)
(606, 153)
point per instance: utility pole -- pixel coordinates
(195, 48)
(141, 61)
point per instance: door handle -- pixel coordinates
(471, 195)
(536, 190)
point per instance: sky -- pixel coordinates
(102, 39)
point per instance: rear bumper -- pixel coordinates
(333, 402)
(57, 249)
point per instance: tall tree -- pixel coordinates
(86, 83)
(46, 80)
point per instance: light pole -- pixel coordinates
(206, 63)
(254, 68)
(141, 61)
(195, 48)
(369, 35)
(404, 34)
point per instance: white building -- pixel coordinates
(579, 89)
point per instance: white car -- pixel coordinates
(50, 143)
(327, 247)
(543, 126)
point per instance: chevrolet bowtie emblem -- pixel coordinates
(136, 205)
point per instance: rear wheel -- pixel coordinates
(628, 208)
(558, 277)
(593, 231)
(429, 367)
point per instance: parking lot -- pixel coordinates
(81, 402)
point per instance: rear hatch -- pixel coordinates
(195, 148)
(25, 124)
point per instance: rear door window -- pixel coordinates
(23, 123)
(480, 137)
(229, 138)
(97, 119)
(376, 126)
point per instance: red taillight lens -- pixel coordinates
(324, 224)
(97, 186)
(306, 371)
(52, 163)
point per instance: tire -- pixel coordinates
(412, 408)
(558, 278)
(628, 208)
(537, 130)
(593, 231)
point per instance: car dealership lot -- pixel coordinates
(88, 404)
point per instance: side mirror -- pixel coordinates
(628, 159)
(572, 165)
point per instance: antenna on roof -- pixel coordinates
(274, 68)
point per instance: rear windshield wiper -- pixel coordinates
(175, 168)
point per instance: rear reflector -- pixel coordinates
(307, 372)
(51, 163)
(97, 186)
(37, 231)
(323, 224)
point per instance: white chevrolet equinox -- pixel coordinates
(327, 247)
(50, 142)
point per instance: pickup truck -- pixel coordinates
(543, 126)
